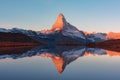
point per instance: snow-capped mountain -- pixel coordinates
(22, 31)
(4, 30)
(63, 32)
(67, 33)
(113, 35)
(37, 36)
(96, 37)
(66, 28)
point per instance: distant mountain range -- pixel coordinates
(61, 33)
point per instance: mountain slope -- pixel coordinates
(34, 35)
(62, 33)
(66, 28)
(16, 39)
(65, 33)
(96, 37)
(113, 45)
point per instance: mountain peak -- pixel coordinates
(66, 28)
(60, 14)
(59, 23)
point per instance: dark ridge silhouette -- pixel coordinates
(16, 39)
(112, 45)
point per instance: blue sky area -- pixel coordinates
(87, 15)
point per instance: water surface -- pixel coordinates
(59, 63)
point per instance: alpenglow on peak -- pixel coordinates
(66, 28)
(59, 23)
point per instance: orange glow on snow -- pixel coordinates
(58, 25)
(113, 35)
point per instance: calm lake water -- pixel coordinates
(59, 63)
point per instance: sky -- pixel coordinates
(86, 15)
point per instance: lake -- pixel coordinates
(59, 63)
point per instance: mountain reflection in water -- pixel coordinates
(60, 55)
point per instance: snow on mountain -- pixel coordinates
(17, 30)
(26, 32)
(66, 28)
(62, 31)
(96, 37)
(32, 34)
(59, 23)
(72, 31)
(113, 35)
(4, 30)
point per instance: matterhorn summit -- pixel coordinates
(66, 28)
(59, 23)
(62, 33)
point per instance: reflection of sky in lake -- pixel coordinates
(90, 67)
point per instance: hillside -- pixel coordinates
(113, 45)
(16, 39)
